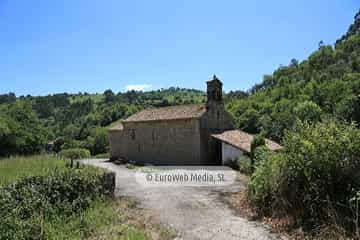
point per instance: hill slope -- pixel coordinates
(325, 85)
(28, 123)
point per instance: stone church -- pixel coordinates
(175, 135)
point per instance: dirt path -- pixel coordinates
(193, 212)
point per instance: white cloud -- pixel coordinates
(138, 87)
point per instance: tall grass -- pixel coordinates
(13, 168)
(103, 220)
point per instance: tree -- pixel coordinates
(101, 141)
(21, 130)
(249, 121)
(98, 141)
(349, 109)
(7, 98)
(109, 96)
(308, 111)
(43, 106)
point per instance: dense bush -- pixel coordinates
(75, 153)
(258, 141)
(314, 178)
(30, 203)
(232, 163)
(260, 154)
(244, 163)
(241, 164)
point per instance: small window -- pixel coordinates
(153, 135)
(132, 134)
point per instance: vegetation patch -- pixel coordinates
(106, 220)
(102, 156)
(28, 123)
(31, 202)
(315, 180)
(14, 168)
(41, 198)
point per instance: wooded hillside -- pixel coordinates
(324, 86)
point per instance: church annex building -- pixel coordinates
(195, 134)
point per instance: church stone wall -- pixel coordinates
(175, 142)
(116, 139)
(215, 120)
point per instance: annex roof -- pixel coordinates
(242, 140)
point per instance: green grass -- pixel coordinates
(14, 168)
(102, 155)
(103, 220)
(133, 166)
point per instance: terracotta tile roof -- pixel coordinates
(242, 140)
(168, 113)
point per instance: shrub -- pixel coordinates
(314, 178)
(258, 140)
(232, 163)
(28, 204)
(241, 164)
(244, 163)
(261, 153)
(261, 185)
(75, 153)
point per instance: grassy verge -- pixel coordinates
(14, 168)
(103, 220)
(41, 198)
(134, 166)
(102, 155)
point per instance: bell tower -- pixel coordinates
(214, 92)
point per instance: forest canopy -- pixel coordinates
(324, 86)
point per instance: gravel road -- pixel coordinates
(193, 212)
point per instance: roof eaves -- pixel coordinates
(161, 120)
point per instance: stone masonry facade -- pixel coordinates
(177, 135)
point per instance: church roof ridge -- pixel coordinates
(186, 111)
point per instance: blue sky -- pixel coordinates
(84, 45)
